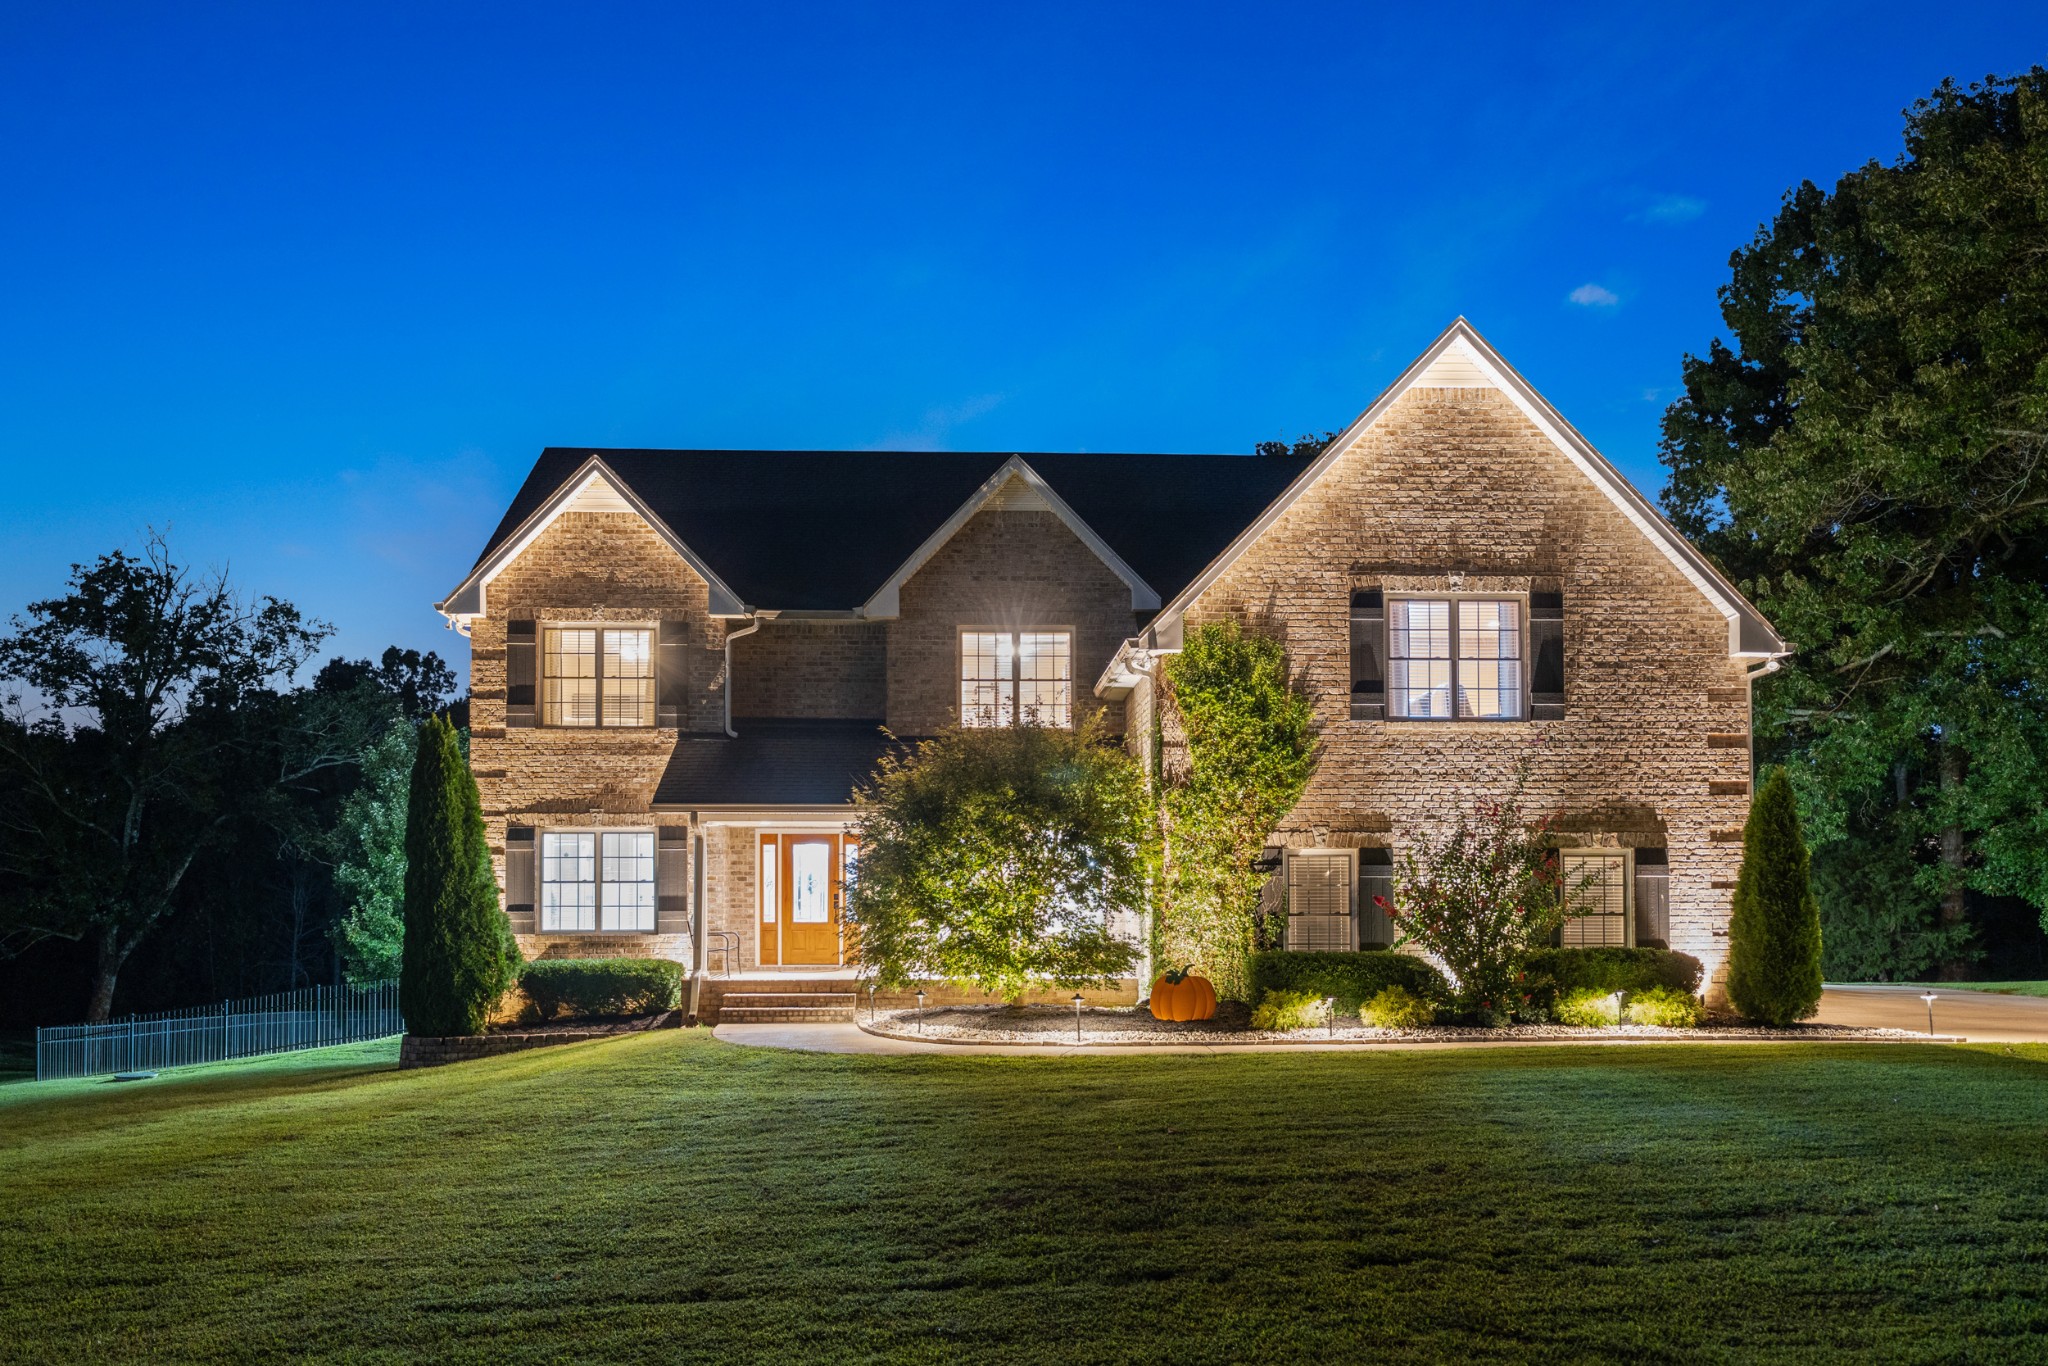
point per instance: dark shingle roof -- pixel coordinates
(822, 530)
(774, 763)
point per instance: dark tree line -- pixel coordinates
(169, 792)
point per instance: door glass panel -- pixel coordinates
(810, 882)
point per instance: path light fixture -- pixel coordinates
(871, 1001)
(1077, 1017)
(1930, 998)
(920, 1010)
(1330, 1014)
(1616, 998)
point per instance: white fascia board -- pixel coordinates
(1749, 635)
(467, 602)
(887, 600)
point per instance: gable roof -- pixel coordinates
(829, 531)
(1460, 358)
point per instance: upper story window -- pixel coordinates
(1454, 658)
(1012, 678)
(597, 676)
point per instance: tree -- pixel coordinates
(1307, 444)
(1774, 933)
(154, 721)
(458, 952)
(368, 844)
(1868, 455)
(1251, 749)
(418, 685)
(1478, 897)
(998, 855)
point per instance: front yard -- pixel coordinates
(667, 1197)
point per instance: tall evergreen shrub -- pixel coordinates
(456, 962)
(1774, 937)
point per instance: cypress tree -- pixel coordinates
(455, 964)
(1774, 935)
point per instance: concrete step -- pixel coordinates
(770, 1000)
(731, 1014)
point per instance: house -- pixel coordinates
(684, 661)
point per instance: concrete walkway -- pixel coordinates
(1978, 1016)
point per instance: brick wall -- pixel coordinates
(1458, 481)
(1009, 570)
(811, 669)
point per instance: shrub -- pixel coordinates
(1351, 979)
(1291, 1010)
(458, 954)
(587, 987)
(996, 856)
(1666, 1007)
(1774, 931)
(1478, 898)
(1586, 1007)
(1604, 970)
(1398, 1008)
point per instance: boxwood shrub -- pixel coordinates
(1351, 979)
(1556, 973)
(583, 988)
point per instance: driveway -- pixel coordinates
(1979, 1016)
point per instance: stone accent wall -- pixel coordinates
(811, 669)
(1457, 481)
(1007, 570)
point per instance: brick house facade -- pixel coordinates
(684, 661)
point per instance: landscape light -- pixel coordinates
(871, 1001)
(920, 1010)
(1330, 1014)
(1077, 1017)
(1930, 999)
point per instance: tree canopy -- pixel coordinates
(997, 856)
(1866, 452)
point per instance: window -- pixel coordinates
(1595, 897)
(1319, 901)
(596, 880)
(1010, 678)
(597, 676)
(1455, 657)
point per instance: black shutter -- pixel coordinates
(672, 880)
(521, 669)
(1653, 899)
(519, 878)
(1546, 656)
(1375, 880)
(672, 674)
(1368, 655)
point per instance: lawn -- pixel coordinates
(666, 1197)
(2000, 988)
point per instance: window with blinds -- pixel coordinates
(1454, 658)
(1595, 897)
(597, 880)
(1319, 900)
(597, 676)
(1011, 678)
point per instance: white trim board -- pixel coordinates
(594, 487)
(887, 600)
(1461, 358)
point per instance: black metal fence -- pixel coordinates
(311, 1017)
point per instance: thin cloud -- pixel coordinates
(1672, 208)
(1590, 295)
(937, 426)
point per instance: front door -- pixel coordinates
(802, 895)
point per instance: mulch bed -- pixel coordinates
(1055, 1025)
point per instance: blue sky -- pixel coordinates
(311, 286)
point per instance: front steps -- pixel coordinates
(828, 1001)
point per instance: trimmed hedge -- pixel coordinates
(1351, 979)
(1608, 970)
(591, 987)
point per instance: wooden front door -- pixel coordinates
(803, 892)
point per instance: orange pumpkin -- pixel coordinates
(1183, 996)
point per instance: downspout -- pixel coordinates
(1145, 664)
(698, 918)
(753, 625)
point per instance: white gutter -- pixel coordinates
(753, 625)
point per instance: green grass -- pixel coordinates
(666, 1197)
(2001, 988)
